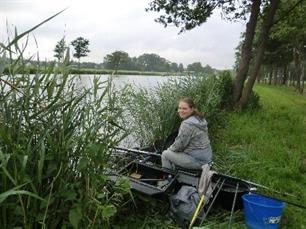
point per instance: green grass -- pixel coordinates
(268, 146)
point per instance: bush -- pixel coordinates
(253, 102)
(226, 89)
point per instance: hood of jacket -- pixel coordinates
(195, 121)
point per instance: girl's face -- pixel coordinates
(184, 110)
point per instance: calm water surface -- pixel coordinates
(121, 80)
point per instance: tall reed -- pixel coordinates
(153, 113)
(54, 147)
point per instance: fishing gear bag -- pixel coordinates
(183, 205)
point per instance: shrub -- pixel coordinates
(253, 102)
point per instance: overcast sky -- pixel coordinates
(112, 25)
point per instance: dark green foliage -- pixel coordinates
(253, 102)
(80, 45)
(195, 67)
(183, 13)
(145, 62)
(118, 60)
(226, 80)
(60, 49)
(153, 62)
(187, 14)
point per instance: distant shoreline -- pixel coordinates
(122, 72)
(92, 71)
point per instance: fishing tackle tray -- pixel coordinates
(147, 178)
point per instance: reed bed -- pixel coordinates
(54, 147)
(152, 114)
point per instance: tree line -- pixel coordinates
(120, 60)
(284, 59)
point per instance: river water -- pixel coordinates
(121, 80)
(139, 81)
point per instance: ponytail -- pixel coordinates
(198, 113)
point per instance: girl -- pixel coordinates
(191, 148)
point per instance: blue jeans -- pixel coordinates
(186, 160)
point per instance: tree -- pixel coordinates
(267, 24)
(153, 62)
(290, 36)
(60, 49)
(80, 45)
(208, 70)
(195, 67)
(118, 60)
(174, 67)
(181, 67)
(246, 52)
(188, 14)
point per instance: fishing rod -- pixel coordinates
(262, 186)
(282, 200)
(259, 186)
(136, 151)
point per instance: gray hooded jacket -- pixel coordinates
(192, 138)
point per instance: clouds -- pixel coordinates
(121, 25)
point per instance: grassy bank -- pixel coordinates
(268, 147)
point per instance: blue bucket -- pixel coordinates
(261, 212)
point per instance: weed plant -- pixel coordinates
(54, 147)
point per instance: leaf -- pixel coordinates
(108, 211)
(123, 184)
(75, 216)
(100, 196)
(12, 192)
(41, 161)
(3, 62)
(82, 164)
(69, 195)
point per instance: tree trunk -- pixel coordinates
(246, 51)
(285, 75)
(270, 75)
(267, 24)
(275, 76)
(292, 75)
(302, 77)
(297, 66)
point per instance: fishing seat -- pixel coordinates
(196, 172)
(189, 176)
